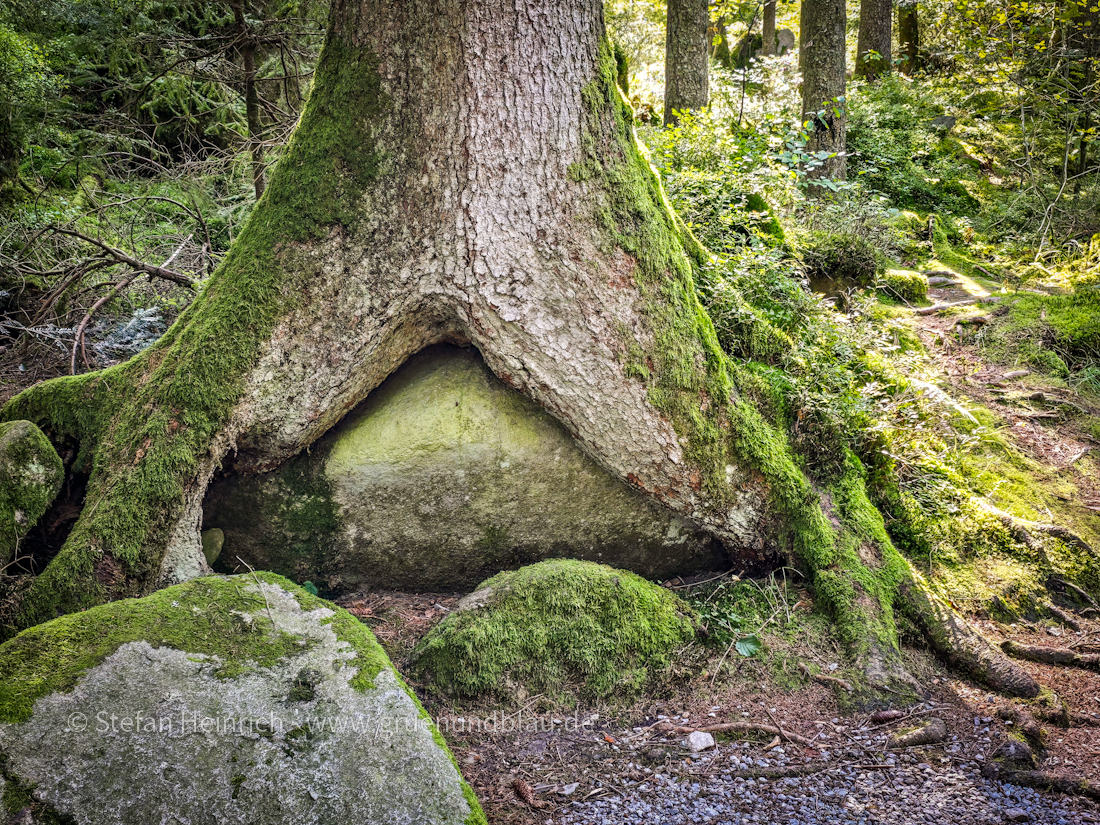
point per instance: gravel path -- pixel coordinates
(907, 792)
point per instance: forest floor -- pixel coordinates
(617, 764)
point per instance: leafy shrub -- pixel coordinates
(840, 256)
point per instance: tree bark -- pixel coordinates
(873, 52)
(687, 66)
(909, 36)
(823, 61)
(768, 48)
(486, 191)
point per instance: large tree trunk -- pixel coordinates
(873, 52)
(822, 60)
(768, 48)
(687, 65)
(463, 172)
(909, 35)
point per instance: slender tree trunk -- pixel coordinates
(909, 36)
(687, 66)
(822, 61)
(247, 48)
(722, 53)
(768, 49)
(874, 51)
(485, 191)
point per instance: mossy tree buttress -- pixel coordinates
(465, 171)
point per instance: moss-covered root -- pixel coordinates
(959, 645)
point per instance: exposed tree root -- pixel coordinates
(1024, 530)
(1025, 723)
(961, 646)
(1058, 585)
(1052, 655)
(1041, 780)
(1067, 719)
(828, 681)
(1062, 616)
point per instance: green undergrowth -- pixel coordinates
(143, 426)
(568, 629)
(743, 412)
(767, 377)
(1056, 334)
(773, 615)
(971, 558)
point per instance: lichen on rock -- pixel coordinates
(31, 474)
(227, 699)
(568, 629)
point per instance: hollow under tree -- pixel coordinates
(467, 172)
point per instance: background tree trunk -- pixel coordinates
(822, 61)
(874, 49)
(768, 48)
(486, 191)
(909, 36)
(247, 48)
(687, 66)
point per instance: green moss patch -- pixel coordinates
(904, 285)
(212, 616)
(560, 628)
(1059, 334)
(30, 478)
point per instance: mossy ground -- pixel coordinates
(567, 629)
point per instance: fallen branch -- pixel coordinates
(825, 680)
(1052, 655)
(149, 269)
(78, 340)
(742, 727)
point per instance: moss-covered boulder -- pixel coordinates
(31, 474)
(560, 627)
(904, 284)
(228, 700)
(442, 477)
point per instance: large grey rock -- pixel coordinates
(442, 477)
(30, 478)
(223, 700)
